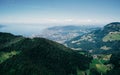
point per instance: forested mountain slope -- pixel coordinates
(104, 40)
(38, 56)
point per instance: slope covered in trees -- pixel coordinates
(115, 61)
(104, 40)
(38, 56)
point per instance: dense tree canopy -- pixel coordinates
(39, 56)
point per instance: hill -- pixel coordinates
(104, 40)
(38, 56)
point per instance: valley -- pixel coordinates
(61, 34)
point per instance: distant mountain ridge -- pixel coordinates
(1, 26)
(104, 40)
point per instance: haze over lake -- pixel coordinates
(23, 29)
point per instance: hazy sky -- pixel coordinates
(59, 11)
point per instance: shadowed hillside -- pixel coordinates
(38, 56)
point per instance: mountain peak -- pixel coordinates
(114, 26)
(115, 23)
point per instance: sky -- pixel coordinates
(27, 17)
(59, 11)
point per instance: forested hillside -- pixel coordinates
(105, 40)
(38, 56)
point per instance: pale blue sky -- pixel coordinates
(59, 11)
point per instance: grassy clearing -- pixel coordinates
(98, 64)
(6, 55)
(112, 36)
(101, 68)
